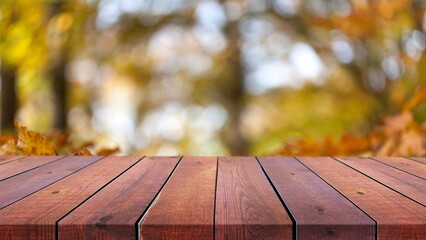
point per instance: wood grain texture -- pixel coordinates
(24, 164)
(185, 207)
(405, 164)
(6, 159)
(398, 217)
(247, 206)
(396, 179)
(318, 209)
(418, 159)
(113, 211)
(24, 184)
(35, 216)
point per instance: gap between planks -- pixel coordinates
(153, 202)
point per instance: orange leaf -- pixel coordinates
(4, 138)
(9, 148)
(33, 143)
(107, 151)
(82, 152)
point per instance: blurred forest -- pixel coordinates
(170, 77)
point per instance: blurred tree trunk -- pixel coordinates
(57, 73)
(234, 138)
(60, 87)
(8, 96)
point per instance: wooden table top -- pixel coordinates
(212, 198)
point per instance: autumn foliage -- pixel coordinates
(396, 135)
(33, 143)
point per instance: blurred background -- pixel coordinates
(240, 77)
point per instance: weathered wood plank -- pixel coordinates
(113, 211)
(320, 211)
(24, 164)
(185, 207)
(413, 167)
(396, 179)
(6, 159)
(247, 206)
(397, 216)
(35, 216)
(24, 184)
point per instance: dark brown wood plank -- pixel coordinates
(247, 206)
(24, 164)
(418, 159)
(396, 179)
(405, 164)
(6, 159)
(319, 210)
(397, 216)
(113, 211)
(185, 207)
(24, 184)
(35, 216)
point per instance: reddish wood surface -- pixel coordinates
(247, 206)
(396, 179)
(113, 212)
(6, 159)
(418, 159)
(24, 184)
(212, 198)
(397, 216)
(35, 216)
(405, 164)
(24, 164)
(319, 209)
(185, 207)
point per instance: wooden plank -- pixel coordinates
(396, 179)
(185, 207)
(319, 210)
(35, 216)
(418, 159)
(247, 206)
(397, 216)
(113, 212)
(24, 164)
(6, 159)
(24, 184)
(413, 167)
